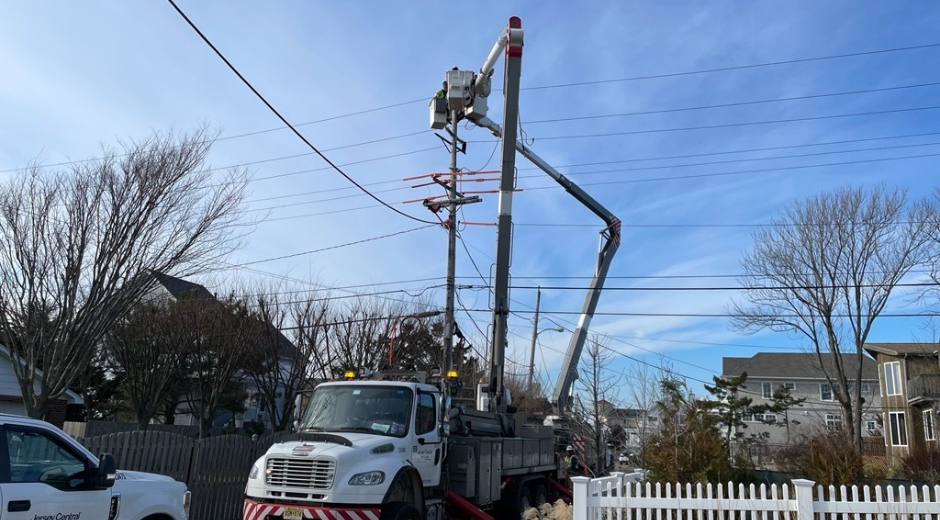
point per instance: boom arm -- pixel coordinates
(611, 242)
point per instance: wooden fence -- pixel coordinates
(215, 469)
(618, 498)
(80, 430)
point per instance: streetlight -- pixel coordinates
(399, 322)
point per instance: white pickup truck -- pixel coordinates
(47, 475)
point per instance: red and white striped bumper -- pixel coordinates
(263, 511)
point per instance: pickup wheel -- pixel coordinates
(399, 511)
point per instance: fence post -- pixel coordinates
(804, 498)
(579, 500)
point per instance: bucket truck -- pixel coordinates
(392, 445)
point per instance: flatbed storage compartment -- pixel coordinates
(476, 465)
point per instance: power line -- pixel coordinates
(741, 172)
(326, 119)
(738, 67)
(669, 178)
(643, 159)
(729, 105)
(732, 125)
(657, 277)
(708, 315)
(286, 122)
(329, 248)
(314, 192)
(746, 150)
(750, 159)
(728, 288)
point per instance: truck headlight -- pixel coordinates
(254, 472)
(369, 478)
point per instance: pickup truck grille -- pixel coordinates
(313, 474)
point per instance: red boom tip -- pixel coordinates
(515, 22)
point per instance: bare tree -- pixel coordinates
(147, 350)
(601, 393)
(825, 270)
(311, 337)
(645, 394)
(77, 246)
(280, 368)
(359, 335)
(219, 337)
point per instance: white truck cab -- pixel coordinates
(47, 475)
(363, 450)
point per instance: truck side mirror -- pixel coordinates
(106, 472)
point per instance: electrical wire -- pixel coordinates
(329, 248)
(729, 288)
(729, 105)
(286, 122)
(737, 67)
(732, 125)
(708, 315)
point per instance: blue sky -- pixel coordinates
(79, 75)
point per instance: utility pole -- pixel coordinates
(535, 335)
(452, 205)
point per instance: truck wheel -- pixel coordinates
(540, 495)
(523, 501)
(399, 511)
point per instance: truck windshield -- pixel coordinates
(379, 410)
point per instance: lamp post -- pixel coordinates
(397, 325)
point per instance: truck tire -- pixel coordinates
(521, 500)
(539, 493)
(399, 511)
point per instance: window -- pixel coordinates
(928, 426)
(767, 417)
(893, 378)
(790, 386)
(424, 416)
(871, 426)
(833, 421)
(34, 457)
(898, 429)
(866, 388)
(768, 390)
(825, 392)
(747, 417)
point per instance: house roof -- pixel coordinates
(69, 395)
(803, 365)
(180, 288)
(903, 349)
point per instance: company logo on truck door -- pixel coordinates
(60, 516)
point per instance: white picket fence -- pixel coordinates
(618, 497)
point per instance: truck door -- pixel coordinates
(427, 450)
(44, 477)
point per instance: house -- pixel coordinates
(171, 288)
(637, 424)
(11, 396)
(909, 385)
(805, 377)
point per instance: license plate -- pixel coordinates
(293, 513)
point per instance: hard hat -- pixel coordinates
(569, 448)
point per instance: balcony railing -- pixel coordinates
(923, 387)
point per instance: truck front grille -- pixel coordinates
(312, 474)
